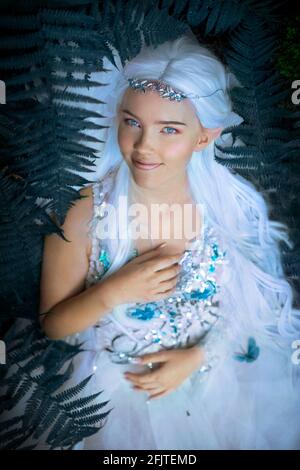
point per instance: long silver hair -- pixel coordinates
(261, 297)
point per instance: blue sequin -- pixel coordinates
(147, 312)
(215, 255)
(104, 259)
(197, 294)
(134, 254)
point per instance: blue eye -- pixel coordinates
(171, 128)
(168, 133)
(126, 121)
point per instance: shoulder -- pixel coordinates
(78, 217)
(86, 194)
(81, 210)
(91, 197)
(85, 214)
(78, 220)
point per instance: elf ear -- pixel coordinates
(207, 135)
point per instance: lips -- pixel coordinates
(145, 166)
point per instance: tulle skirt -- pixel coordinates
(237, 405)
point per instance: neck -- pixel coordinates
(174, 191)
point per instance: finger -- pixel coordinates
(153, 388)
(167, 285)
(165, 261)
(159, 356)
(139, 379)
(139, 383)
(150, 253)
(158, 395)
(164, 295)
(169, 273)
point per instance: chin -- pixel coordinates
(145, 181)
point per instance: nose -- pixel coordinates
(144, 144)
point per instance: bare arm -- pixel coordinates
(65, 306)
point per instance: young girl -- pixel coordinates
(185, 312)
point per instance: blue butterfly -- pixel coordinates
(251, 354)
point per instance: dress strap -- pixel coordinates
(99, 261)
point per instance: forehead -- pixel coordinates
(152, 104)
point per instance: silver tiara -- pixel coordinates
(164, 89)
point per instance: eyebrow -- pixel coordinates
(157, 122)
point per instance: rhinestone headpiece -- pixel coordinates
(164, 89)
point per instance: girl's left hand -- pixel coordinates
(177, 365)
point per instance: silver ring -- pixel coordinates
(150, 365)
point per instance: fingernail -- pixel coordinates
(136, 360)
(162, 245)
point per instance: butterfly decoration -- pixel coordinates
(251, 354)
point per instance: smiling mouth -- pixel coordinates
(145, 166)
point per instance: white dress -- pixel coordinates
(227, 404)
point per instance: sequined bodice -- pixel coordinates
(196, 282)
(176, 321)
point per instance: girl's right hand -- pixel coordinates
(146, 278)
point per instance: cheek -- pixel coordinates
(124, 139)
(179, 151)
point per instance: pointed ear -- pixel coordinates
(207, 135)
